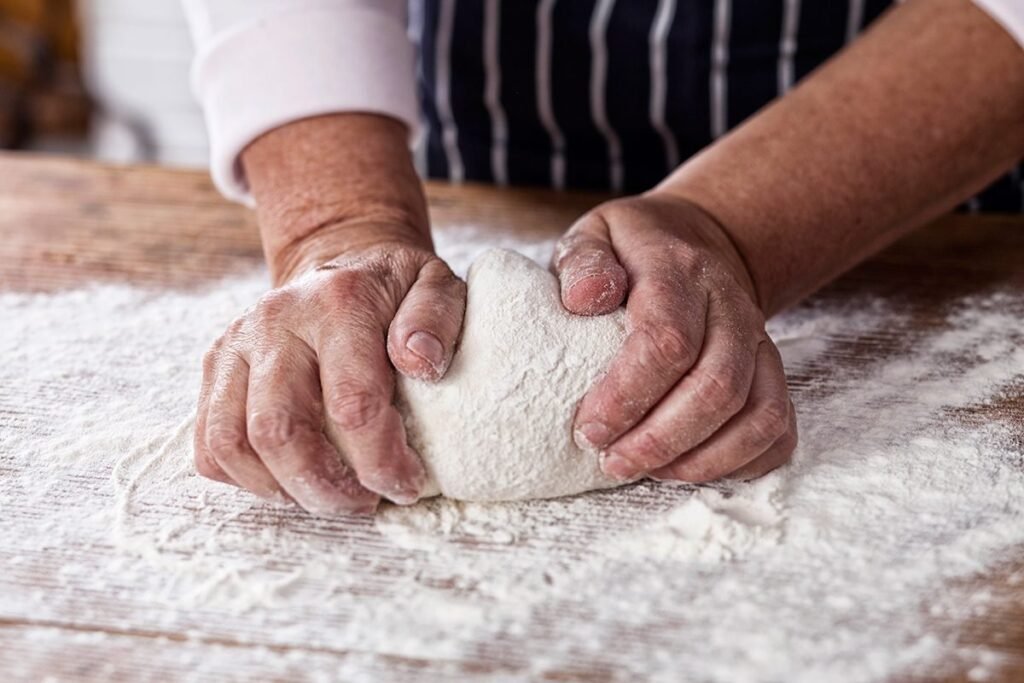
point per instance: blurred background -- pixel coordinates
(102, 78)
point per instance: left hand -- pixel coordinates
(697, 392)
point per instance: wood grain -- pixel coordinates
(64, 223)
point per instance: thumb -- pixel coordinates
(423, 334)
(592, 279)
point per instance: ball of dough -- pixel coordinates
(498, 426)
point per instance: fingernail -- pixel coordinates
(428, 347)
(592, 435)
(402, 492)
(618, 467)
(277, 498)
(404, 496)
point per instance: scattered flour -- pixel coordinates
(837, 568)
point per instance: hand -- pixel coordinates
(697, 391)
(307, 372)
(310, 358)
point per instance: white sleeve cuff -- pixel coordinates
(1009, 13)
(286, 66)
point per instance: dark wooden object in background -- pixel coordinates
(41, 90)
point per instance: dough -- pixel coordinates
(499, 425)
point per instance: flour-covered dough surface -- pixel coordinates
(499, 425)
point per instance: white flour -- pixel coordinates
(834, 568)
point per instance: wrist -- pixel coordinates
(328, 185)
(330, 241)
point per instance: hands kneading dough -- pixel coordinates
(498, 426)
(694, 392)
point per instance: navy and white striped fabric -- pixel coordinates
(613, 94)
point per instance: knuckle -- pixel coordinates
(274, 305)
(755, 317)
(346, 284)
(271, 429)
(702, 472)
(650, 450)
(722, 390)
(788, 443)
(358, 289)
(613, 406)
(447, 288)
(436, 270)
(624, 209)
(206, 467)
(353, 406)
(694, 262)
(769, 420)
(225, 441)
(668, 348)
(215, 354)
(210, 359)
(234, 329)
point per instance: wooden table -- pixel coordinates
(64, 223)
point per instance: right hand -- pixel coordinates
(314, 358)
(297, 396)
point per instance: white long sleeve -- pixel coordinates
(1009, 13)
(263, 63)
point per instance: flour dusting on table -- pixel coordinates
(833, 567)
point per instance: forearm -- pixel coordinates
(261, 64)
(329, 184)
(923, 111)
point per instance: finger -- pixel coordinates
(711, 393)
(425, 330)
(666, 321)
(225, 430)
(778, 455)
(749, 436)
(284, 426)
(592, 279)
(358, 390)
(205, 464)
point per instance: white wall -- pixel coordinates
(136, 58)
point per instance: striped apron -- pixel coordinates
(613, 94)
